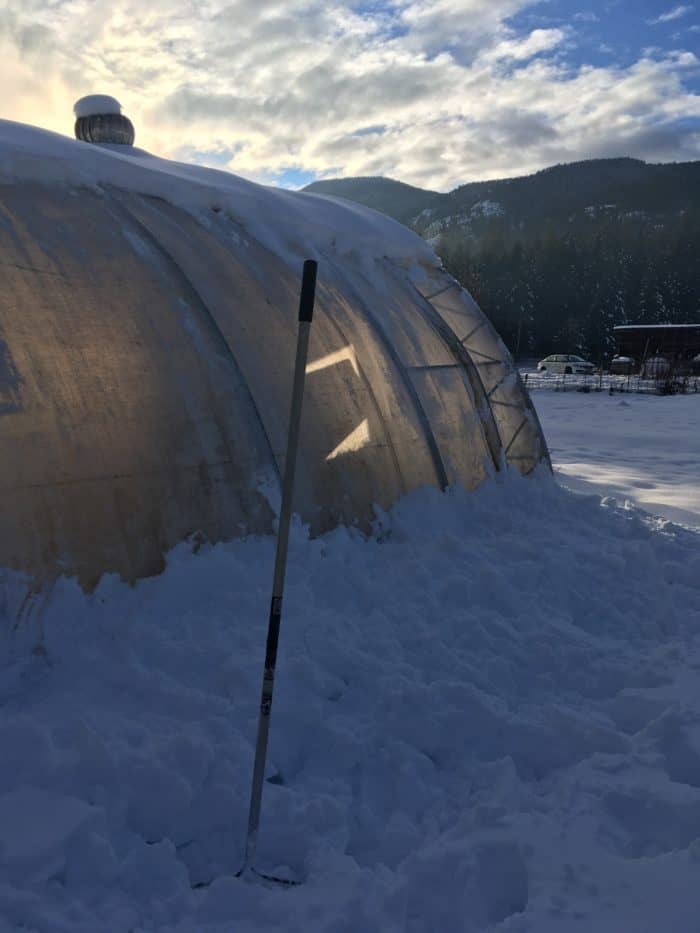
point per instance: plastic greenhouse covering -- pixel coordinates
(147, 330)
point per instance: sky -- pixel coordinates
(435, 94)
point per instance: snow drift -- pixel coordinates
(486, 719)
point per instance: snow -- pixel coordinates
(486, 718)
(639, 448)
(425, 214)
(487, 208)
(291, 224)
(34, 828)
(96, 104)
(656, 326)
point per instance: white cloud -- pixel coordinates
(524, 47)
(435, 93)
(670, 15)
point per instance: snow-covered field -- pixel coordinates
(487, 717)
(641, 448)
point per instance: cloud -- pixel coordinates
(434, 92)
(524, 47)
(670, 15)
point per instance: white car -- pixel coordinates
(565, 363)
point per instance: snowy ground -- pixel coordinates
(642, 448)
(487, 718)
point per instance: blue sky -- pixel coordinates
(617, 32)
(432, 92)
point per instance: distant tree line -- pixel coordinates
(550, 291)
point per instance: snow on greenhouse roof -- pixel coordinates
(288, 223)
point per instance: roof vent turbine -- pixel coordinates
(99, 119)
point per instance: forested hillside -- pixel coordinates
(559, 257)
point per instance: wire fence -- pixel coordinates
(612, 384)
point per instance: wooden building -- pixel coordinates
(678, 345)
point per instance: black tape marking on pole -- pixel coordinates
(308, 291)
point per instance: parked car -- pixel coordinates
(565, 363)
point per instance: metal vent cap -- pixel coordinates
(99, 119)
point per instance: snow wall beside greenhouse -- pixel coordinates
(148, 315)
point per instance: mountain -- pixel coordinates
(609, 188)
(559, 257)
(400, 201)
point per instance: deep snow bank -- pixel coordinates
(485, 719)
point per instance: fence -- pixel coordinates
(606, 382)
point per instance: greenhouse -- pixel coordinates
(147, 332)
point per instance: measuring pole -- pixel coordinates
(306, 310)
